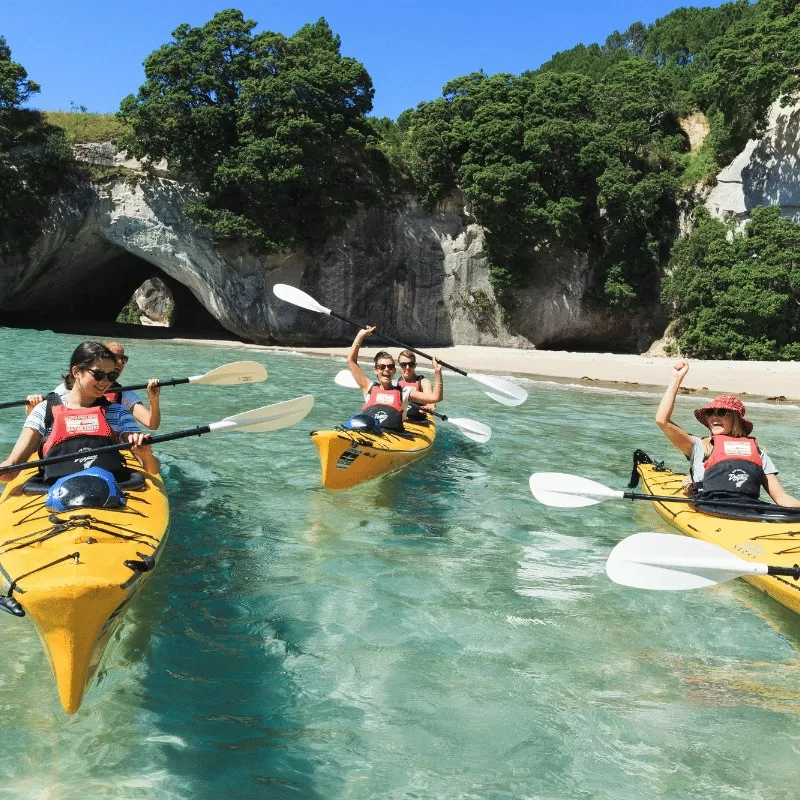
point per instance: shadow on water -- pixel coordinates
(224, 698)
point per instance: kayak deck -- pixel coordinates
(75, 572)
(767, 542)
(350, 458)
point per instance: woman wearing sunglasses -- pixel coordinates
(83, 420)
(728, 462)
(383, 400)
(149, 417)
(407, 362)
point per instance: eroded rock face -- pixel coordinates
(765, 173)
(421, 276)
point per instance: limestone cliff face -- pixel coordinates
(421, 276)
(765, 173)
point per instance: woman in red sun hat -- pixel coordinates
(728, 463)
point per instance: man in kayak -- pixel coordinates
(383, 400)
(728, 462)
(83, 420)
(407, 362)
(149, 417)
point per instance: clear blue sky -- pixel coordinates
(90, 53)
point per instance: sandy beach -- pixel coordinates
(762, 380)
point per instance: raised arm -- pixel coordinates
(149, 418)
(678, 436)
(352, 359)
(434, 396)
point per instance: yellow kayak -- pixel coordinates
(73, 573)
(773, 538)
(350, 458)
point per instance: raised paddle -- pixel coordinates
(226, 375)
(267, 418)
(476, 431)
(501, 390)
(665, 561)
(572, 491)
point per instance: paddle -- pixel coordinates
(665, 561)
(267, 418)
(226, 375)
(476, 431)
(571, 491)
(502, 391)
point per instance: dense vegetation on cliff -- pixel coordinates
(585, 153)
(272, 129)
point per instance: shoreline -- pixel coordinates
(773, 381)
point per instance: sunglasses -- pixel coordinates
(121, 359)
(718, 412)
(406, 364)
(382, 367)
(102, 375)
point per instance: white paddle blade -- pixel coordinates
(230, 374)
(269, 418)
(294, 296)
(667, 562)
(472, 429)
(345, 378)
(503, 391)
(562, 490)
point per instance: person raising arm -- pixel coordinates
(383, 400)
(728, 462)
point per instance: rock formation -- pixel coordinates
(765, 173)
(422, 276)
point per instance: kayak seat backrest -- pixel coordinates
(133, 484)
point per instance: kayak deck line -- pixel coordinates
(73, 573)
(349, 458)
(758, 541)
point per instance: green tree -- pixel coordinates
(738, 296)
(272, 129)
(15, 87)
(35, 159)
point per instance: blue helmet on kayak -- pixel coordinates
(90, 488)
(363, 423)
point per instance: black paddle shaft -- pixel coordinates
(173, 382)
(400, 344)
(108, 448)
(698, 501)
(792, 572)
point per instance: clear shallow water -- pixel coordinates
(437, 634)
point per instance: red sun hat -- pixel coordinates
(724, 401)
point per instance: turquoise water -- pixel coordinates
(436, 634)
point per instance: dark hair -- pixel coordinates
(383, 354)
(84, 355)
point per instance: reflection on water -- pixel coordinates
(433, 634)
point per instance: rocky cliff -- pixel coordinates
(765, 173)
(423, 276)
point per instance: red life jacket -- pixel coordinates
(114, 397)
(413, 414)
(734, 466)
(386, 406)
(73, 431)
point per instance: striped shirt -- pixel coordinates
(119, 419)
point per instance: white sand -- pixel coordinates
(758, 379)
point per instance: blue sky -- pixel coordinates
(90, 53)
